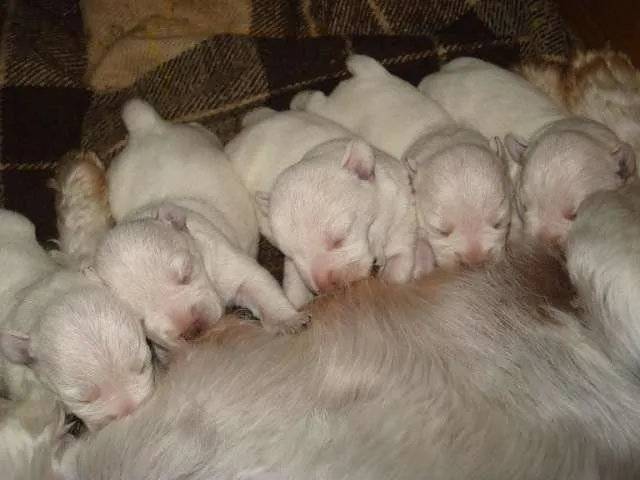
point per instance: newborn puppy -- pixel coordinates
(187, 235)
(392, 381)
(599, 84)
(31, 430)
(66, 331)
(328, 201)
(603, 258)
(558, 159)
(461, 185)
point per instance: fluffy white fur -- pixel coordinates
(558, 159)
(602, 84)
(603, 256)
(330, 202)
(392, 381)
(66, 330)
(186, 239)
(82, 207)
(463, 194)
(31, 432)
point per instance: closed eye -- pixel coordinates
(444, 232)
(335, 243)
(571, 216)
(501, 224)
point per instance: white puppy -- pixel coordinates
(463, 193)
(31, 432)
(329, 202)
(603, 257)
(67, 331)
(391, 382)
(558, 159)
(186, 237)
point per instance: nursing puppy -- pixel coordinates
(599, 84)
(461, 185)
(392, 381)
(62, 330)
(329, 201)
(603, 257)
(558, 158)
(31, 432)
(186, 234)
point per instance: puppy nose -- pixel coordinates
(125, 408)
(544, 235)
(324, 280)
(472, 257)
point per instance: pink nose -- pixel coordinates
(126, 408)
(324, 280)
(544, 235)
(473, 256)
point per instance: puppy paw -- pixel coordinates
(289, 325)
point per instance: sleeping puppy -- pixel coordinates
(558, 158)
(392, 381)
(602, 84)
(603, 258)
(186, 237)
(62, 330)
(329, 201)
(461, 184)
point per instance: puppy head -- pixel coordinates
(154, 266)
(463, 200)
(558, 171)
(320, 212)
(91, 350)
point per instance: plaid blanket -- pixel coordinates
(66, 68)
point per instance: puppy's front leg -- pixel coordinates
(294, 287)
(399, 267)
(249, 285)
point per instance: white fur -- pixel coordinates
(328, 201)
(82, 207)
(31, 432)
(558, 159)
(67, 331)
(603, 256)
(187, 234)
(392, 382)
(461, 186)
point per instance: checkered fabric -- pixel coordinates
(66, 66)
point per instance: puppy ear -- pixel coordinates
(515, 146)
(359, 159)
(182, 267)
(173, 216)
(425, 260)
(624, 161)
(16, 348)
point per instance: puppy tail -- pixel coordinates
(365, 66)
(256, 116)
(82, 207)
(139, 117)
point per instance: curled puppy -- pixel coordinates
(558, 158)
(82, 207)
(392, 381)
(186, 239)
(603, 259)
(461, 185)
(599, 84)
(63, 330)
(31, 433)
(329, 201)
